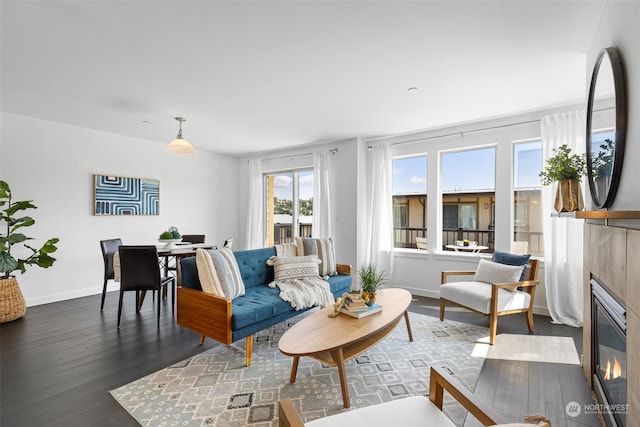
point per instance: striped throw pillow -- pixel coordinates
(219, 273)
(323, 248)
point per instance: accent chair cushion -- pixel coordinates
(512, 259)
(415, 410)
(493, 272)
(218, 273)
(295, 267)
(323, 248)
(477, 295)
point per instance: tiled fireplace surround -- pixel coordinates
(612, 254)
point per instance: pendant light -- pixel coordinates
(180, 145)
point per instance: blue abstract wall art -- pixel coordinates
(117, 195)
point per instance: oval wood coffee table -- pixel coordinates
(335, 340)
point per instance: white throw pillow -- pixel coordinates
(219, 273)
(493, 272)
(323, 248)
(296, 267)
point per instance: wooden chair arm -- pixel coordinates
(441, 378)
(524, 284)
(204, 313)
(446, 274)
(344, 269)
(288, 416)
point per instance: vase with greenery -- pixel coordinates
(371, 281)
(12, 304)
(567, 169)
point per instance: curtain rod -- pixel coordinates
(478, 130)
(332, 151)
(469, 131)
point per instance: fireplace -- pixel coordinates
(609, 354)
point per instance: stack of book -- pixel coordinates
(355, 306)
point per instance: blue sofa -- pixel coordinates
(227, 320)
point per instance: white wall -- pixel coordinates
(619, 27)
(53, 165)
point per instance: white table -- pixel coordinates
(472, 249)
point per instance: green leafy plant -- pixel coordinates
(602, 163)
(371, 279)
(563, 165)
(8, 214)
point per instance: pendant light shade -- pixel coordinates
(180, 145)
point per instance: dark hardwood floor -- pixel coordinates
(60, 360)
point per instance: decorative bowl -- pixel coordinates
(169, 243)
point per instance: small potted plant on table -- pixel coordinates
(371, 281)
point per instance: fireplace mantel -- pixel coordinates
(599, 215)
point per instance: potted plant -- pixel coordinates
(567, 169)
(12, 304)
(371, 281)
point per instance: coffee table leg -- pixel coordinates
(406, 318)
(338, 358)
(294, 369)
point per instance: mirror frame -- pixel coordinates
(620, 130)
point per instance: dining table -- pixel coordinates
(471, 248)
(169, 258)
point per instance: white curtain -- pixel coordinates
(322, 225)
(379, 248)
(562, 236)
(255, 233)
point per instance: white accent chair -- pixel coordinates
(421, 242)
(409, 411)
(491, 299)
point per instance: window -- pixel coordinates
(485, 180)
(409, 189)
(527, 191)
(468, 195)
(289, 202)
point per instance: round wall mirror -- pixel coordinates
(606, 127)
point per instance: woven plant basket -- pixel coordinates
(12, 304)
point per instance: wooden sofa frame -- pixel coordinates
(440, 379)
(210, 315)
(528, 285)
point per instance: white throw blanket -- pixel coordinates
(304, 293)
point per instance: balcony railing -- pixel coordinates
(282, 232)
(405, 237)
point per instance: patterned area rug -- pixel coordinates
(216, 389)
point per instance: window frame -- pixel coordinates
(295, 205)
(497, 133)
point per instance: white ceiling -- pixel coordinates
(251, 76)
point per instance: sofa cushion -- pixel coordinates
(323, 248)
(258, 304)
(294, 267)
(339, 284)
(253, 266)
(477, 295)
(408, 411)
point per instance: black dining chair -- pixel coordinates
(109, 248)
(193, 238)
(140, 272)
